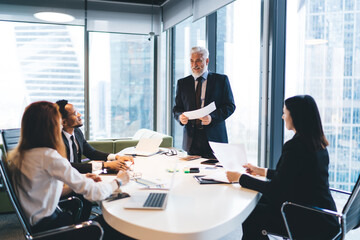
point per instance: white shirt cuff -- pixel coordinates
(266, 170)
(96, 165)
(111, 156)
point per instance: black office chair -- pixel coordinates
(84, 230)
(349, 217)
(10, 138)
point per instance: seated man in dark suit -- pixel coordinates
(76, 145)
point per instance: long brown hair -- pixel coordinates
(40, 127)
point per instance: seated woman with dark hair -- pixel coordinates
(40, 170)
(301, 176)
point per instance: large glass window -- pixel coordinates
(121, 84)
(39, 62)
(187, 35)
(322, 59)
(238, 56)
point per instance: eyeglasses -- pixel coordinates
(75, 113)
(170, 152)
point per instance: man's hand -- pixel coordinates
(205, 120)
(183, 119)
(125, 159)
(94, 177)
(123, 176)
(116, 165)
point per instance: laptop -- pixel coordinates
(150, 200)
(146, 147)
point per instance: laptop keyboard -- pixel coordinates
(155, 200)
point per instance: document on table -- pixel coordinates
(231, 156)
(202, 112)
(219, 176)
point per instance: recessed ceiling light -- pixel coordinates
(54, 17)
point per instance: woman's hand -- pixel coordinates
(123, 176)
(94, 177)
(233, 176)
(254, 170)
(66, 190)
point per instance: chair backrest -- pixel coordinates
(351, 210)
(10, 138)
(6, 176)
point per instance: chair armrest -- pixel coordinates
(310, 208)
(85, 230)
(74, 201)
(340, 191)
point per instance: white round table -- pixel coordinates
(194, 211)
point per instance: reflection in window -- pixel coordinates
(187, 35)
(239, 58)
(121, 84)
(322, 44)
(39, 62)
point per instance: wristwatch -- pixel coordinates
(119, 182)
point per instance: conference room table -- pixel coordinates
(193, 211)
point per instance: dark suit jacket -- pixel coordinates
(301, 176)
(84, 149)
(217, 89)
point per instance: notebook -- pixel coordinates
(146, 147)
(150, 200)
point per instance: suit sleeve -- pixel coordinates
(178, 108)
(227, 106)
(82, 167)
(283, 179)
(88, 150)
(92, 153)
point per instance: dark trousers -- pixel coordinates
(57, 219)
(200, 144)
(303, 226)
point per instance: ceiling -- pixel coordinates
(146, 2)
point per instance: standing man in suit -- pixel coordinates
(196, 91)
(76, 145)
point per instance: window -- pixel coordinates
(187, 35)
(39, 62)
(322, 52)
(238, 56)
(121, 84)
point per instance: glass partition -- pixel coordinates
(322, 59)
(121, 84)
(238, 56)
(39, 62)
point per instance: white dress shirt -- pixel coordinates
(44, 172)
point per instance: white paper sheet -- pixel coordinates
(219, 176)
(202, 112)
(231, 156)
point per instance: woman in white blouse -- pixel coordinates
(40, 170)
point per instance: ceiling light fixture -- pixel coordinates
(54, 17)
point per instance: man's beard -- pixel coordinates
(196, 75)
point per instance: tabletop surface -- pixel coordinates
(194, 211)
